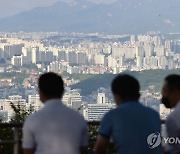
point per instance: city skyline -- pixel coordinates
(86, 48)
(87, 63)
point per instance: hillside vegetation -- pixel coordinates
(148, 79)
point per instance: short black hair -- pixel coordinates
(173, 82)
(52, 85)
(126, 86)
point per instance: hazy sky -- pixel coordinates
(11, 7)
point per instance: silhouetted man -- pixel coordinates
(131, 123)
(55, 129)
(171, 99)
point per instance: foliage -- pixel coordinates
(7, 133)
(17, 77)
(81, 77)
(2, 61)
(20, 113)
(30, 66)
(146, 78)
(93, 133)
(88, 86)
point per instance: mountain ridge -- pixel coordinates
(122, 16)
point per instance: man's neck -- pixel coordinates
(51, 99)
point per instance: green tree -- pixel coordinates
(6, 134)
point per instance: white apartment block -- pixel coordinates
(139, 62)
(95, 112)
(112, 62)
(17, 60)
(99, 59)
(72, 99)
(27, 55)
(34, 102)
(54, 67)
(35, 55)
(5, 104)
(73, 70)
(101, 98)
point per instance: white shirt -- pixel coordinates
(55, 129)
(173, 129)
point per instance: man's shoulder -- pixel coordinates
(40, 115)
(176, 112)
(137, 106)
(33, 117)
(172, 120)
(29, 121)
(150, 110)
(75, 113)
(44, 111)
(36, 116)
(111, 113)
(174, 116)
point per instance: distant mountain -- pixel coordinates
(123, 16)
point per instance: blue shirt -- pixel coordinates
(129, 125)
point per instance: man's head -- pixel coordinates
(171, 91)
(125, 87)
(51, 86)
